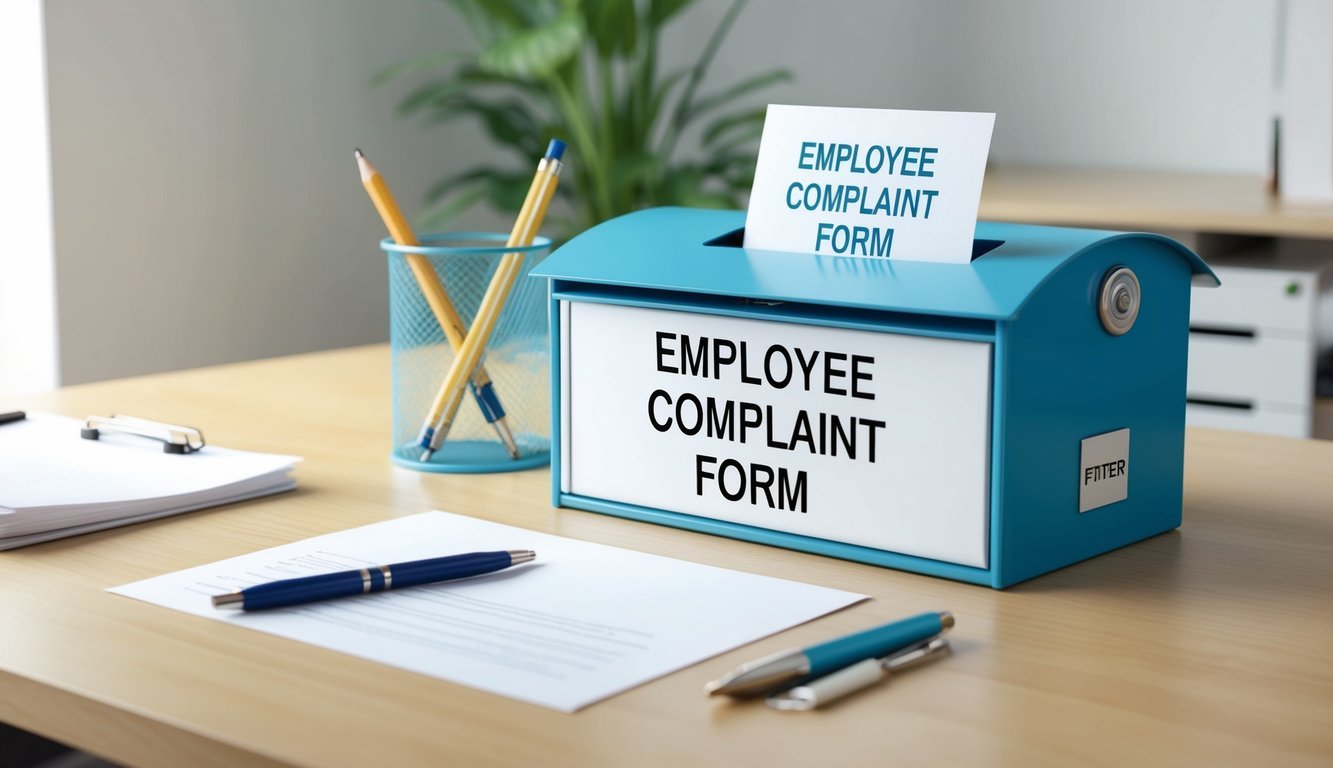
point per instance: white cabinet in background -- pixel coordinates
(1254, 340)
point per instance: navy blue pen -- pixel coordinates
(375, 578)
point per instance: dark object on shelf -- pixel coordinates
(1323, 381)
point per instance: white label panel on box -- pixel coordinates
(875, 439)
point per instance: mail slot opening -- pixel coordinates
(736, 238)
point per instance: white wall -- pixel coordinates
(27, 273)
(207, 206)
(1180, 84)
(207, 209)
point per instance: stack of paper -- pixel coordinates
(54, 483)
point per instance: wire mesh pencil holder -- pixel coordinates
(516, 359)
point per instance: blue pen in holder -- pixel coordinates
(517, 357)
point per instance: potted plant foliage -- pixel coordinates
(588, 71)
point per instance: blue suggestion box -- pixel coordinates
(987, 421)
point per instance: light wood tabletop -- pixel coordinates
(1151, 200)
(1210, 645)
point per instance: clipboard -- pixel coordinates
(175, 438)
(61, 476)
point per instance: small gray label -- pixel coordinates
(1103, 476)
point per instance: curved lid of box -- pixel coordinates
(667, 249)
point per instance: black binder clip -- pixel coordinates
(175, 439)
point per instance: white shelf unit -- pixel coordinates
(1255, 340)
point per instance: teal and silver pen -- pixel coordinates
(849, 680)
(792, 666)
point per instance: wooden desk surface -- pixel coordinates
(1209, 645)
(1151, 200)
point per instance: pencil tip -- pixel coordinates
(506, 438)
(358, 153)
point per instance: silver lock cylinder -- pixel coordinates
(1118, 306)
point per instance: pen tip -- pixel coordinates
(426, 454)
(946, 620)
(235, 599)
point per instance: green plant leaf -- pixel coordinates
(429, 96)
(587, 71)
(613, 25)
(735, 173)
(711, 200)
(562, 226)
(633, 169)
(736, 91)
(475, 76)
(535, 52)
(747, 123)
(679, 182)
(417, 64)
(660, 11)
(680, 115)
(439, 217)
(490, 20)
(663, 91)
(742, 145)
(506, 191)
(508, 122)
(450, 184)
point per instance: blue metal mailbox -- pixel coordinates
(1058, 433)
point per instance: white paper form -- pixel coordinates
(870, 183)
(581, 623)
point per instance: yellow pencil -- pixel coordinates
(401, 232)
(530, 217)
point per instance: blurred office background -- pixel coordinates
(204, 206)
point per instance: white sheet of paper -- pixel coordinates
(276, 483)
(878, 183)
(581, 623)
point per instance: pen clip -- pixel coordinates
(175, 438)
(836, 685)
